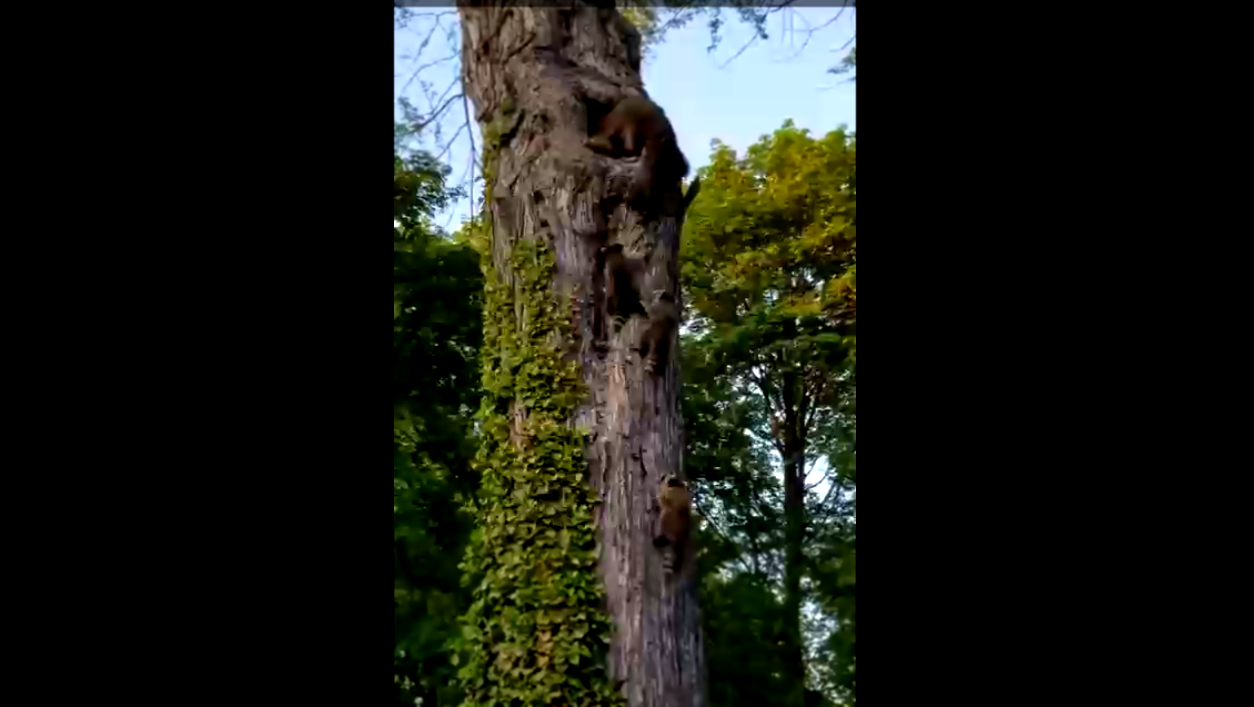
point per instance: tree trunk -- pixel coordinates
(794, 531)
(539, 79)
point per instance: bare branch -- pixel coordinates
(804, 409)
(437, 113)
(436, 15)
(451, 141)
(409, 81)
(721, 533)
(756, 497)
(810, 32)
(835, 485)
(825, 24)
(826, 475)
(748, 44)
(418, 54)
(427, 39)
(454, 82)
(815, 409)
(761, 381)
(677, 19)
(437, 62)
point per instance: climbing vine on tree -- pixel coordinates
(536, 630)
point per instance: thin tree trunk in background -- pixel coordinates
(532, 73)
(794, 533)
(793, 399)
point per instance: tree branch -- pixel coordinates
(451, 141)
(814, 410)
(748, 44)
(719, 531)
(760, 380)
(804, 411)
(810, 31)
(437, 113)
(826, 475)
(423, 45)
(836, 485)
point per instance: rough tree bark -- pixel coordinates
(540, 78)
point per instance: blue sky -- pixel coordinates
(751, 96)
(773, 80)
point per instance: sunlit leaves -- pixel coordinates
(769, 265)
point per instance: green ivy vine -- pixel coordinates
(537, 631)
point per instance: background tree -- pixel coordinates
(769, 267)
(434, 390)
(740, 498)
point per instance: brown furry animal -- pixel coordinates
(638, 127)
(622, 275)
(655, 340)
(676, 519)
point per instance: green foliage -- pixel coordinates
(434, 389)
(847, 65)
(770, 257)
(836, 577)
(743, 622)
(644, 17)
(770, 272)
(776, 230)
(419, 191)
(733, 483)
(536, 632)
(770, 267)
